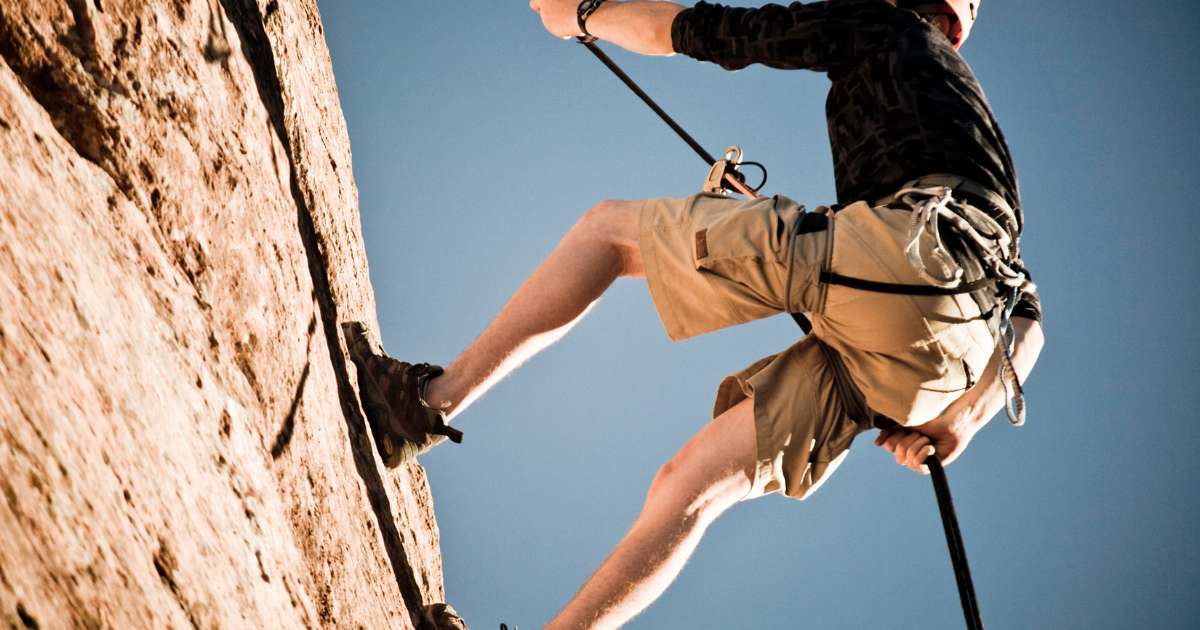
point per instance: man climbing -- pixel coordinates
(921, 308)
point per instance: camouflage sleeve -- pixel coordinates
(815, 36)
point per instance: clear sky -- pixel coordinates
(479, 139)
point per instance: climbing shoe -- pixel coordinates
(441, 617)
(392, 395)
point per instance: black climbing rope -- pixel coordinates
(731, 176)
(954, 539)
(734, 178)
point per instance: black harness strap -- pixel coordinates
(830, 277)
(802, 321)
(902, 289)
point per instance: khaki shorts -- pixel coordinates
(713, 261)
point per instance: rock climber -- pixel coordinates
(922, 310)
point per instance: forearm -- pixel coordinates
(640, 26)
(988, 396)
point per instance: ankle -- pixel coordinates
(436, 395)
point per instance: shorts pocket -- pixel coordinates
(744, 248)
(753, 230)
(829, 455)
(967, 348)
(957, 376)
(834, 439)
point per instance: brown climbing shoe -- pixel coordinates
(392, 395)
(441, 617)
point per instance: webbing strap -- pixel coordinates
(862, 284)
(902, 289)
(802, 321)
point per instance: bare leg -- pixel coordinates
(714, 470)
(601, 247)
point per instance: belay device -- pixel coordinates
(724, 175)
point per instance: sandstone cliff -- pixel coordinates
(180, 440)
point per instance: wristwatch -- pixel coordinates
(585, 11)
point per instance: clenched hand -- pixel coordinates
(558, 16)
(947, 436)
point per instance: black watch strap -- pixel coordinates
(585, 11)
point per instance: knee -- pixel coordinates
(615, 224)
(675, 489)
(664, 479)
(667, 492)
(612, 221)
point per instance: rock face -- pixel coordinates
(180, 439)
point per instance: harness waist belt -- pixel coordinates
(960, 187)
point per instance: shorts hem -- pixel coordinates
(659, 294)
(701, 288)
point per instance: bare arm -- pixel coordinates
(640, 26)
(988, 396)
(814, 36)
(951, 431)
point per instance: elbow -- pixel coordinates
(1030, 334)
(661, 43)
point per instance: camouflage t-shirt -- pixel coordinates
(903, 103)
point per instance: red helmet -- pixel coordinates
(965, 10)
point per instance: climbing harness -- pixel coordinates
(989, 245)
(931, 205)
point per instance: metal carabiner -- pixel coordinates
(727, 165)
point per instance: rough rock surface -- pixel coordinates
(180, 439)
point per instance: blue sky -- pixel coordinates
(479, 139)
